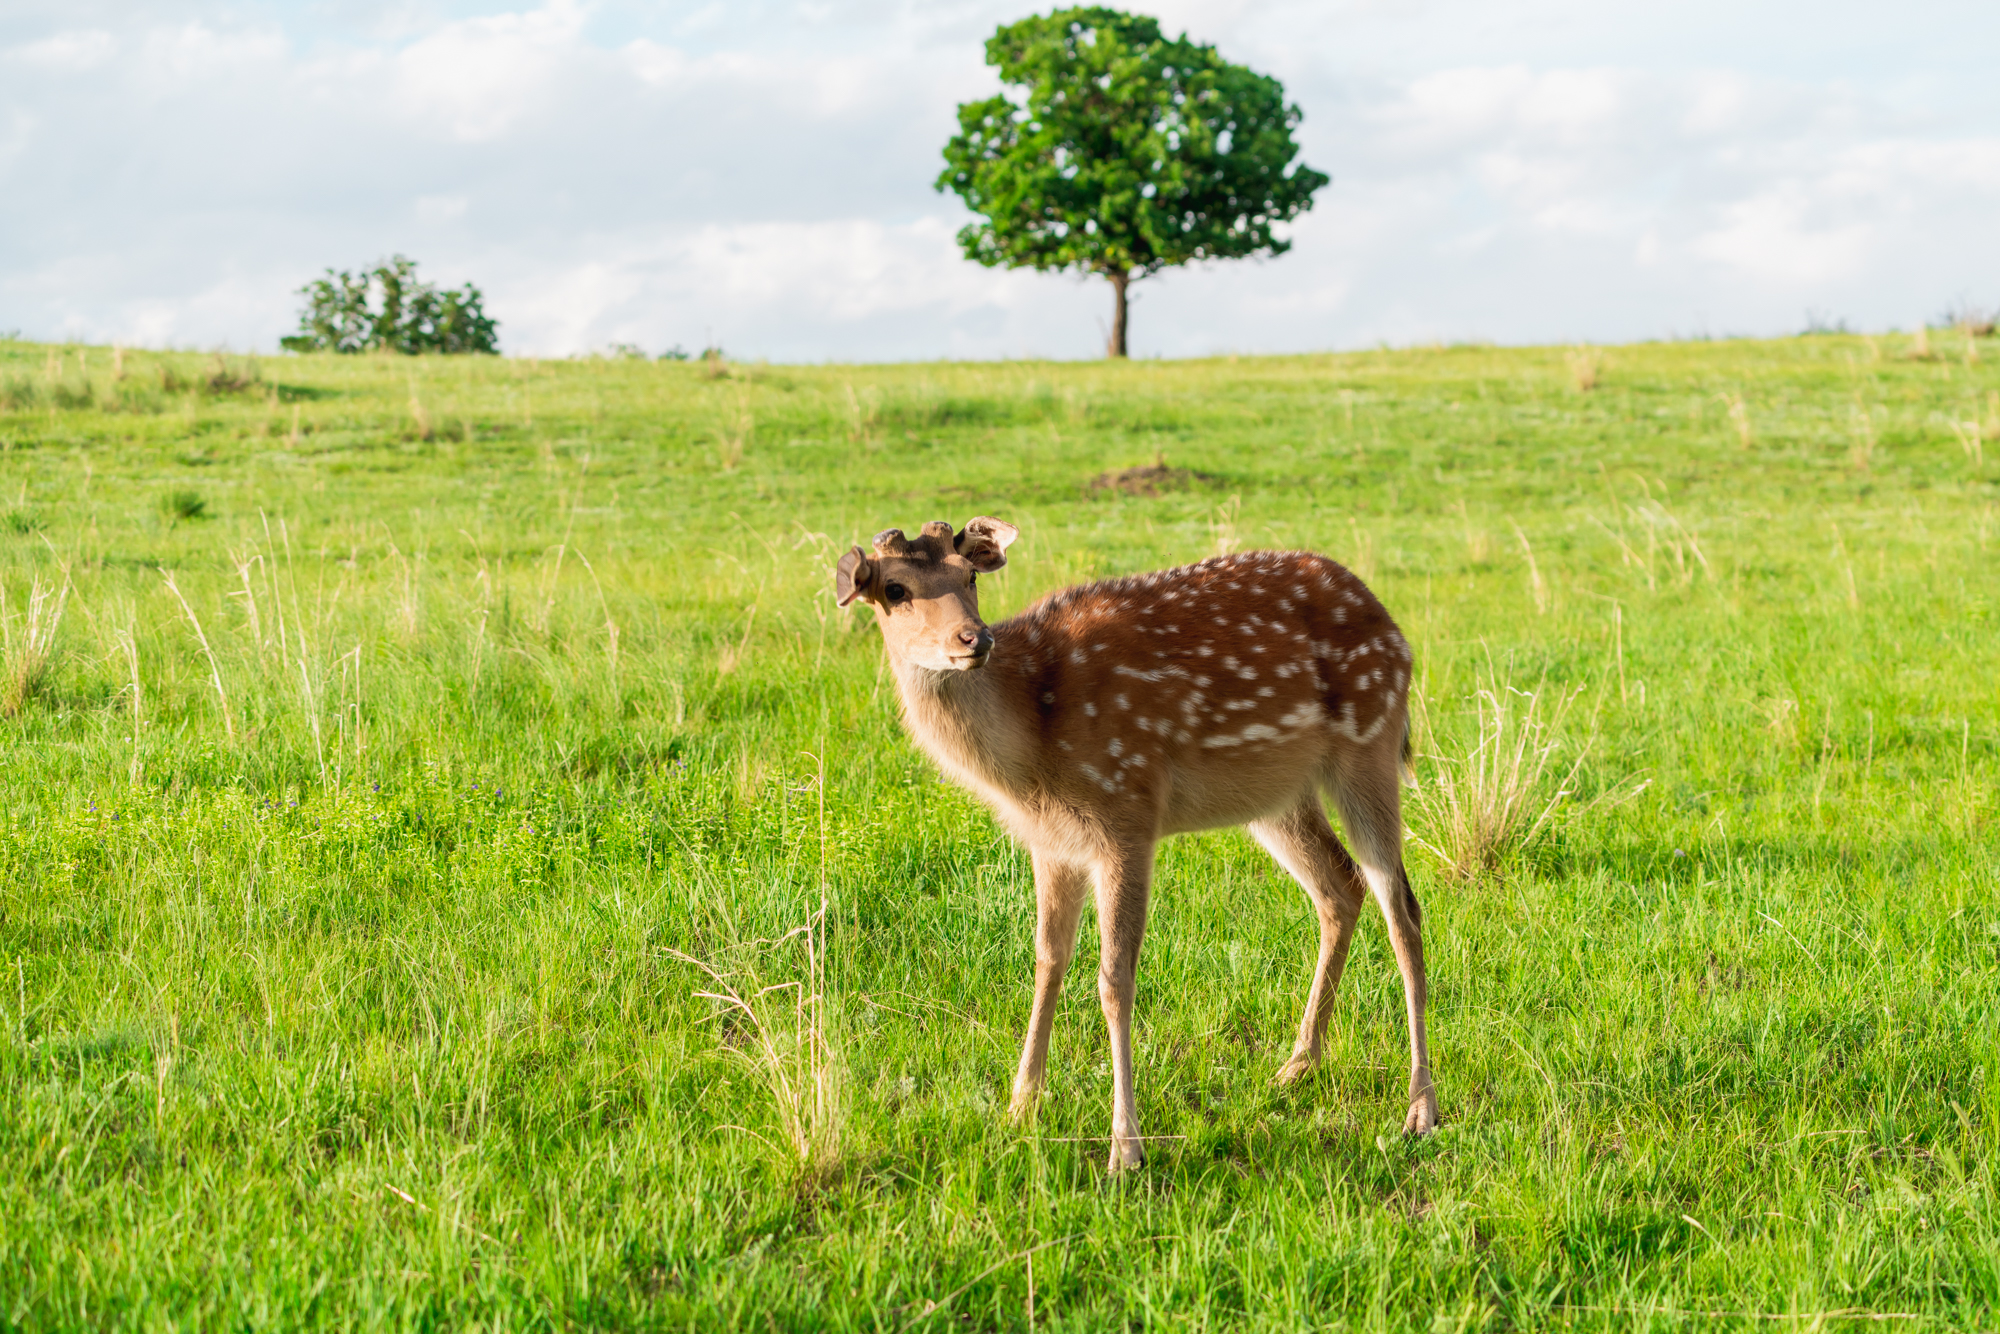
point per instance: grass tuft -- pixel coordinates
(1586, 367)
(1485, 806)
(183, 505)
(28, 642)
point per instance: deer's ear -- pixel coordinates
(853, 576)
(984, 543)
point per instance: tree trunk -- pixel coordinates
(1119, 279)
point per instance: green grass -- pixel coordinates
(341, 934)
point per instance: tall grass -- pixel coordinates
(1481, 808)
(28, 641)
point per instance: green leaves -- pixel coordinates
(1117, 151)
(386, 309)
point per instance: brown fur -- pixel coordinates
(1109, 716)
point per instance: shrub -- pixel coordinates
(386, 309)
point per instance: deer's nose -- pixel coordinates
(979, 640)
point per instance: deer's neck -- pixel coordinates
(970, 723)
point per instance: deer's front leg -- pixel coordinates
(1124, 884)
(1058, 903)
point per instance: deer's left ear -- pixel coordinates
(984, 543)
(853, 576)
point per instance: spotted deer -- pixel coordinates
(1109, 716)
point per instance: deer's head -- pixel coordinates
(925, 590)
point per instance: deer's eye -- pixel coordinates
(895, 592)
(973, 582)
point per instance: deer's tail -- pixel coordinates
(1406, 758)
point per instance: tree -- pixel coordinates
(1116, 151)
(386, 309)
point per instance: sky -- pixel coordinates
(758, 175)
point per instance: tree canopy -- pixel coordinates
(386, 309)
(1116, 151)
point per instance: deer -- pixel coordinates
(1112, 715)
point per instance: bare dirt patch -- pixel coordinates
(1148, 480)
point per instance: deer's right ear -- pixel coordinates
(852, 576)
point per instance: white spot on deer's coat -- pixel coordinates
(1116, 748)
(1090, 710)
(1248, 673)
(1076, 656)
(1091, 773)
(1267, 692)
(1303, 714)
(1048, 697)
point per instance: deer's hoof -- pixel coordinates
(1423, 1117)
(1301, 1065)
(1022, 1109)
(1126, 1156)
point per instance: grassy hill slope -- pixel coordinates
(380, 737)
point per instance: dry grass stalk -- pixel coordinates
(1971, 440)
(735, 437)
(1920, 346)
(1504, 793)
(1222, 533)
(214, 667)
(29, 650)
(1739, 417)
(418, 414)
(1535, 584)
(610, 625)
(1586, 365)
(789, 1045)
(862, 414)
(128, 645)
(732, 655)
(1862, 452)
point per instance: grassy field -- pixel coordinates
(383, 737)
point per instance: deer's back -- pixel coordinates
(1203, 695)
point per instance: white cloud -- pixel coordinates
(1768, 238)
(483, 76)
(439, 209)
(72, 52)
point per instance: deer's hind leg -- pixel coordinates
(1304, 844)
(1124, 884)
(1369, 796)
